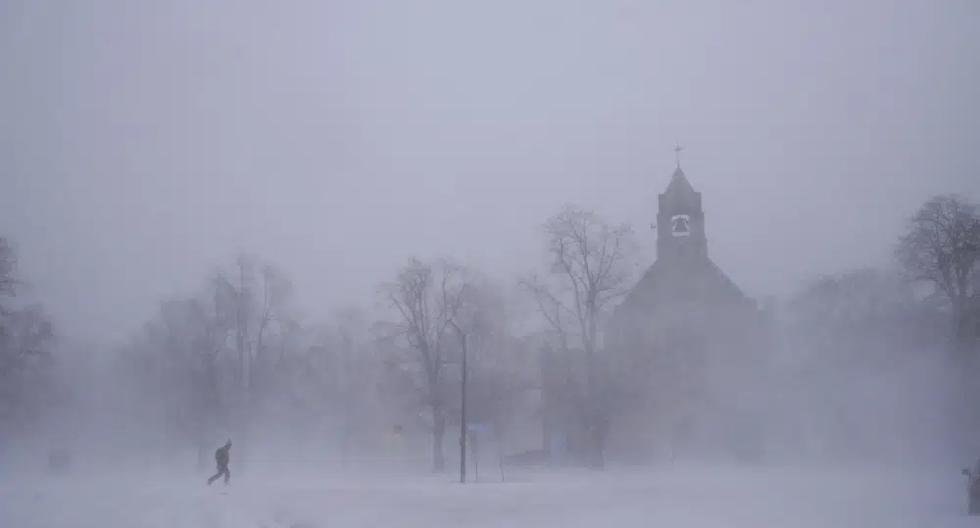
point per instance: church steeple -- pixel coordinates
(680, 219)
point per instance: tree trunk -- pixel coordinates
(438, 431)
(595, 411)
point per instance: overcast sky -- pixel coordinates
(144, 143)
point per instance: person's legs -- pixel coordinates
(227, 476)
(214, 477)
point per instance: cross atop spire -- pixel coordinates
(677, 153)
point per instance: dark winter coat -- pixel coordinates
(221, 456)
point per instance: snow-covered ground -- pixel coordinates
(683, 498)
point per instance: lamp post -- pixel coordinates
(462, 406)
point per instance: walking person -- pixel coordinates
(221, 456)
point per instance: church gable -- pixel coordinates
(682, 328)
(669, 281)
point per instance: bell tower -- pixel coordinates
(680, 220)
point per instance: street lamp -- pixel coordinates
(462, 407)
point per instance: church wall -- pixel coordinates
(691, 377)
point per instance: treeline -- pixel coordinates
(27, 341)
(235, 358)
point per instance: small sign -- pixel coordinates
(479, 428)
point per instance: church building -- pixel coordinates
(686, 347)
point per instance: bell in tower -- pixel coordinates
(680, 221)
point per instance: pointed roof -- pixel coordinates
(670, 281)
(679, 184)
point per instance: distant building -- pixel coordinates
(685, 346)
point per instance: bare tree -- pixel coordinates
(557, 317)
(26, 338)
(276, 289)
(243, 307)
(249, 308)
(942, 246)
(588, 273)
(214, 347)
(427, 297)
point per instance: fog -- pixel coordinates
(211, 211)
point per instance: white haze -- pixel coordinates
(144, 145)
